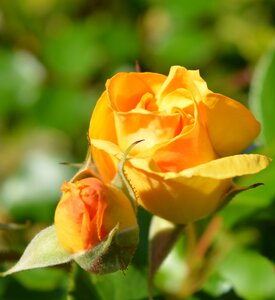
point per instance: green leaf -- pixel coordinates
(128, 285)
(262, 97)
(113, 254)
(44, 250)
(216, 285)
(162, 237)
(251, 275)
(81, 286)
(15, 290)
(42, 279)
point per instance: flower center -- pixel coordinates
(148, 102)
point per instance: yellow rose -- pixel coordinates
(88, 211)
(184, 166)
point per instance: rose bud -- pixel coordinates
(87, 212)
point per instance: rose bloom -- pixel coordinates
(88, 211)
(185, 129)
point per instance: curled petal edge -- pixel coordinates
(221, 168)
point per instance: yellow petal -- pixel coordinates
(125, 90)
(108, 147)
(180, 77)
(119, 210)
(102, 118)
(102, 127)
(188, 149)
(180, 200)
(190, 194)
(177, 99)
(154, 129)
(228, 167)
(231, 126)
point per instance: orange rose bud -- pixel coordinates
(88, 211)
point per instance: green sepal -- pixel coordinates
(87, 169)
(44, 250)
(113, 254)
(121, 181)
(234, 191)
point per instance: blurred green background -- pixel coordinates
(55, 56)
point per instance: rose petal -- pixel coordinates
(125, 90)
(177, 99)
(231, 126)
(153, 128)
(180, 200)
(190, 194)
(70, 218)
(188, 150)
(191, 147)
(102, 127)
(124, 216)
(180, 77)
(229, 167)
